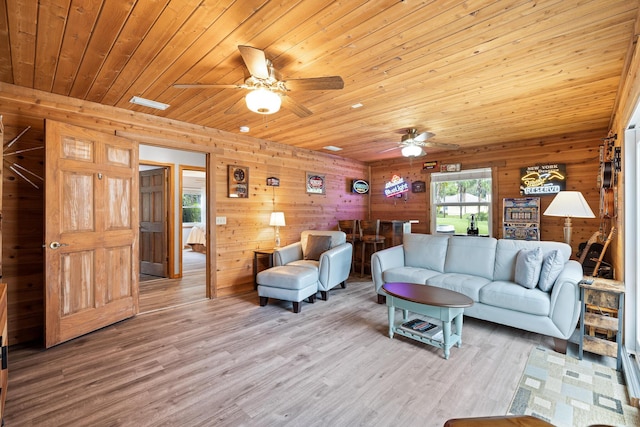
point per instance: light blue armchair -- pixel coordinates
(328, 252)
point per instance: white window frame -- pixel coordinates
(196, 191)
(631, 215)
(437, 177)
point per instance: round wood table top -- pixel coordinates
(428, 295)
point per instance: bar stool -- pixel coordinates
(350, 228)
(369, 235)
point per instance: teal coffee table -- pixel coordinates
(436, 303)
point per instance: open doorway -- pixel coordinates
(186, 270)
(193, 211)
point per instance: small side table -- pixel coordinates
(259, 254)
(608, 294)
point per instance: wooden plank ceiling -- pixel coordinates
(473, 72)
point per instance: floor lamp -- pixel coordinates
(569, 204)
(277, 221)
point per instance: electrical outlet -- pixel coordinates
(221, 220)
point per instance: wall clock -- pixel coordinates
(238, 181)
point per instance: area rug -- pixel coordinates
(569, 392)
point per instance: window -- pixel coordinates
(192, 202)
(457, 198)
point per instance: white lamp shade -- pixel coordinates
(277, 219)
(412, 151)
(263, 101)
(569, 204)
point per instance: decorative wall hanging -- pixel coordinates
(272, 181)
(238, 181)
(359, 186)
(316, 183)
(418, 187)
(429, 165)
(451, 167)
(17, 169)
(543, 179)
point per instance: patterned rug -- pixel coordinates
(569, 392)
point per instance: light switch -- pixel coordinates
(221, 220)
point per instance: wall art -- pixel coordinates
(238, 181)
(316, 183)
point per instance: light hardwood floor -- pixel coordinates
(230, 362)
(161, 293)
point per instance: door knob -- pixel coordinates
(56, 245)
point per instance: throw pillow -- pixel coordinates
(552, 266)
(316, 245)
(528, 266)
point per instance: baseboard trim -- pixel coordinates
(631, 372)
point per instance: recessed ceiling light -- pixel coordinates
(148, 103)
(358, 105)
(244, 129)
(332, 148)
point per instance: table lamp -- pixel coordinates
(277, 221)
(569, 204)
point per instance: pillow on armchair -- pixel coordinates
(316, 245)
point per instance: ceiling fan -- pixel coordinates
(412, 142)
(267, 90)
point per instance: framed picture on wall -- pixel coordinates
(316, 183)
(238, 181)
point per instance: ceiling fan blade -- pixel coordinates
(423, 136)
(206, 86)
(299, 109)
(388, 149)
(315, 83)
(440, 145)
(255, 61)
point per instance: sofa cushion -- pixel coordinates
(308, 263)
(315, 246)
(513, 297)
(466, 284)
(425, 251)
(408, 275)
(471, 255)
(552, 266)
(507, 251)
(528, 266)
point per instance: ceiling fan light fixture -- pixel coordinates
(263, 101)
(412, 151)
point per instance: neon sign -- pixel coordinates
(396, 186)
(543, 179)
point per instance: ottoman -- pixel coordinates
(288, 283)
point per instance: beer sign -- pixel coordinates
(542, 179)
(396, 186)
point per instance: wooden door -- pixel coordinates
(91, 231)
(153, 222)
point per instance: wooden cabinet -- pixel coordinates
(605, 298)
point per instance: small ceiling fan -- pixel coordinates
(412, 142)
(267, 89)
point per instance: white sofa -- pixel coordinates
(484, 269)
(332, 266)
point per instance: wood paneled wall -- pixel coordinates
(579, 152)
(247, 225)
